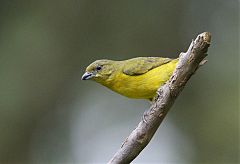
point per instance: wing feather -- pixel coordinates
(141, 65)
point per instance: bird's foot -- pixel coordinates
(144, 116)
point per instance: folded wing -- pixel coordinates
(141, 65)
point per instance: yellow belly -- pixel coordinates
(143, 86)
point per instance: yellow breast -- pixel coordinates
(142, 86)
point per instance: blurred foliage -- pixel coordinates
(47, 115)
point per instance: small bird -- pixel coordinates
(137, 78)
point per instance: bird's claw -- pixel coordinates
(143, 117)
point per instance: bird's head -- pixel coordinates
(99, 70)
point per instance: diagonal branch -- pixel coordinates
(188, 63)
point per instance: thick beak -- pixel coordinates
(87, 75)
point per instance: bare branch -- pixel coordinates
(188, 63)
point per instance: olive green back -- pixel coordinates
(141, 65)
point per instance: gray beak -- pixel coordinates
(87, 75)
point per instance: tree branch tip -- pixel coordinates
(206, 37)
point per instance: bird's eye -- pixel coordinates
(98, 67)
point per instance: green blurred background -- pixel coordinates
(48, 115)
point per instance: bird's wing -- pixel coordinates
(141, 65)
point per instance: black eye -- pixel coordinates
(98, 67)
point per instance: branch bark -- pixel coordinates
(188, 63)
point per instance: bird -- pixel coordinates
(137, 78)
